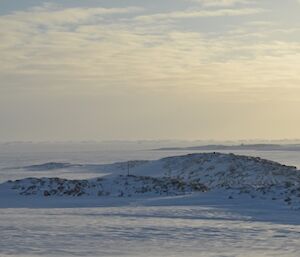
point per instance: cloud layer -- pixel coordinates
(221, 3)
(224, 51)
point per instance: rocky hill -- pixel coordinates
(117, 186)
(177, 175)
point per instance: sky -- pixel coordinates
(152, 69)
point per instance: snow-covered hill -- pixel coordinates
(118, 186)
(234, 174)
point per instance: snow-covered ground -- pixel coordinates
(220, 222)
(209, 225)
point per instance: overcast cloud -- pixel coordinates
(185, 69)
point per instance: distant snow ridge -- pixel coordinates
(49, 166)
(231, 173)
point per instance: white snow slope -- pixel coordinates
(178, 175)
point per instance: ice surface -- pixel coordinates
(199, 226)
